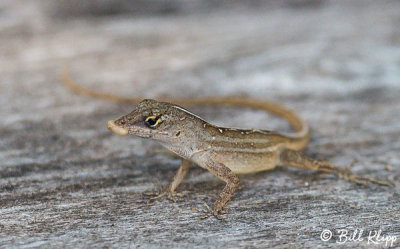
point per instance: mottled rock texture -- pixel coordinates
(67, 182)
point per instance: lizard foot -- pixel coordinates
(208, 212)
(363, 180)
(347, 175)
(157, 195)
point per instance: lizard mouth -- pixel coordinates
(117, 129)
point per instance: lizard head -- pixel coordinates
(156, 120)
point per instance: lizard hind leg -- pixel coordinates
(296, 159)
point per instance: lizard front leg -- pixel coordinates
(224, 174)
(297, 160)
(176, 180)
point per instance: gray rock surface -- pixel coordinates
(67, 182)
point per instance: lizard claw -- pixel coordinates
(362, 180)
(208, 212)
(170, 196)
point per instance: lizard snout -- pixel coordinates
(117, 129)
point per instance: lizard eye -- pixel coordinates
(152, 121)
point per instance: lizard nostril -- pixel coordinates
(122, 122)
(178, 133)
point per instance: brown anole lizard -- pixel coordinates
(225, 152)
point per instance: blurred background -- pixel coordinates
(336, 63)
(255, 47)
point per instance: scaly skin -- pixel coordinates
(225, 152)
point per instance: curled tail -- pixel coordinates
(298, 140)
